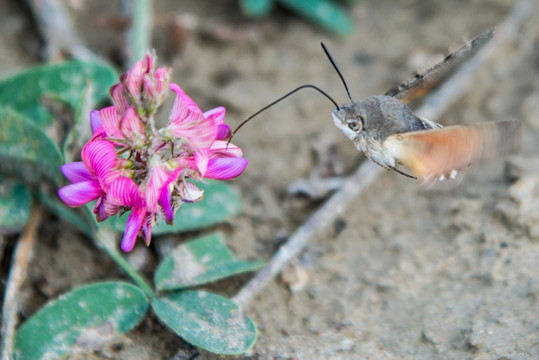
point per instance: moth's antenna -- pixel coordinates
(337, 69)
(282, 98)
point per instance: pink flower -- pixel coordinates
(143, 87)
(158, 188)
(186, 121)
(222, 161)
(218, 115)
(90, 177)
(124, 193)
(128, 127)
(131, 166)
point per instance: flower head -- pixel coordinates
(130, 165)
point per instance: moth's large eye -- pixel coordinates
(355, 124)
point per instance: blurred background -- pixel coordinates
(406, 272)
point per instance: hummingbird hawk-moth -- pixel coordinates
(390, 134)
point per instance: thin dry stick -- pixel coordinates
(454, 87)
(2, 246)
(58, 31)
(435, 105)
(138, 36)
(17, 274)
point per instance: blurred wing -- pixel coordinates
(423, 82)
(439, 153)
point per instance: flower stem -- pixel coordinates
(102, 238)
(140, 33)
(105, 240)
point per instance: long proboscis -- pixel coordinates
(282, 98)
(334, 63)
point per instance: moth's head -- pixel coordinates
(350, 118)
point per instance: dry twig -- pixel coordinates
(58, 31)
(23, 254)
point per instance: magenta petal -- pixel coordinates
(199, 134)
(217, 114)
(201, 161)
(150, 61)
(99, 210)
(123, 192)
(223, 132)
(225, 168)
(99, 157)
(159, 181)
(162, 76)
(184, 109)
(224, 149)
(118, 98)
(95, 122)
(134, 222)
(133, 78)
(131, 126)
(78, 194)
(148, 88)
(104, 209)
(147, 233)
(95, 125)
(76, 172)
(164, 201)
(111, 122)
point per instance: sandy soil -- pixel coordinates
(407, 273)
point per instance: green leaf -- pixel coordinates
(325, 13)
(198, 262)
(15, 202)
(80, 132)
(96, 312)
(256, 8)
(221, 201)
(206, 320)
(22, 92)
(26, 152)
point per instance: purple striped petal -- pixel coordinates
(104, 209)
(223, 132)
(201, 161)
(184, 109)
(76, 172)
(78, 194)
(225, 168)
(133, 78)
(118, 98)
(162, 77)
(123, 192)
(224, 149)
(99, 157)
(159, 181)
(199, 134)
(217, 114)
(134, 222)
(95, 121)
(111, 122)
(164, 201)
(131, 126)
(147, 232)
